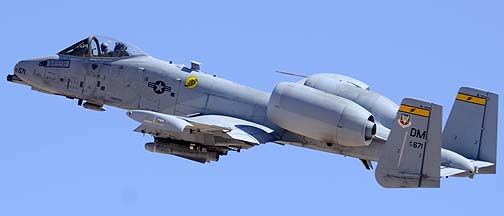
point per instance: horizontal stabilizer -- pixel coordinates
(450, 171)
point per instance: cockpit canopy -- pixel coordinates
(102, 47)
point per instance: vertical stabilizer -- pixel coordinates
(471, 129)
(412, 154)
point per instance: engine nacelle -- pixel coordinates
(383, 109)
(338, 79)
(321, 116)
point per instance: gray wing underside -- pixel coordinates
(213, 130)
(199, 138)
(234, 128)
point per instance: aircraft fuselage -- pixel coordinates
(200, 116)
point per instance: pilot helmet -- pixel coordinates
(104, 46)
(119, 46)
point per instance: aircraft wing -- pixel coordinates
(200, 138)
(233, 128)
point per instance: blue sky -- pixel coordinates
(59, 159)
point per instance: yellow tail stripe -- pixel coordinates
(414, 110)
(471, 99)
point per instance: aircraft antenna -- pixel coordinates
(291, 74)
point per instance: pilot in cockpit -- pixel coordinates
(105, 52)
(99, 46)
(120, 50)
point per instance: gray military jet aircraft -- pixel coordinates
(200, 117)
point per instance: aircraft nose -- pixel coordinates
(19, 71)
(20, 68)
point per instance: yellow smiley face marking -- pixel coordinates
(191, 82)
